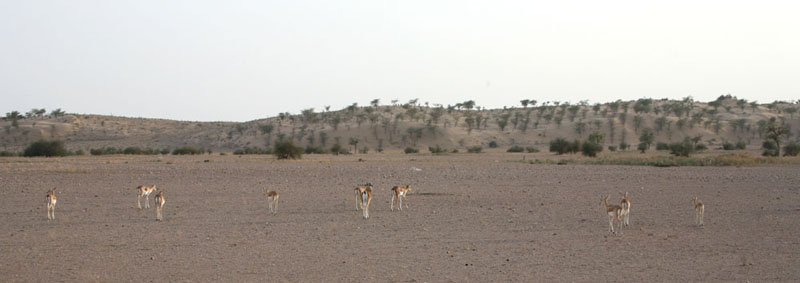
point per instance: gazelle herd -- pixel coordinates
(619, 214)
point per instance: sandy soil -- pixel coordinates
(472, 218)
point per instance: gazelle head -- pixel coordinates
(604, 201)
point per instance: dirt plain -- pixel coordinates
(471, 218)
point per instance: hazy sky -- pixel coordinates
(245, 60)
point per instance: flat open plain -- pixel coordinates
(471, 218)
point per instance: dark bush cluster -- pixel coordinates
(315, 149)
(700, 146)
(7, 153)
(591, 149)
(252, 150)
(683, 148)
(561, 146)
(410, 150)
(287, 150)
(662, 146)
(46, 148)
(531, 149)
(475, 149)
(131, 150)
(437, 149)
(515, 148)
(493, 144)
(791, 149)
(187, 150)
(337, 149)
(770, 148)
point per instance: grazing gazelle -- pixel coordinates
(613, 212)
(159, 202)
(272, 200)
(400, 193)
(366, 197)
(145, 191)
(359, 195)
(699, 210)
(625, 203)
(51, 204)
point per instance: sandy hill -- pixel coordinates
(394, 127)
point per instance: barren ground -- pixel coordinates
(472, 218)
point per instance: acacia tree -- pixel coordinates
(775, 131)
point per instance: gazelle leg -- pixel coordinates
(393, 202)
(139, 201)
(276, 205)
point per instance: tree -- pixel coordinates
(354, 143)
(375, 102)
(46, 148)
(791, 111)
(643, 105)
(524, 103)
(647, 137)
(57, 113)
(775, 131)
(13, 115)
(502, 121)
(285, 149)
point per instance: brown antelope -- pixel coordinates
(272, 201)
(625, 203)
(159, 202)
(400, 193)
(699, 210)
(613, 212)
(365, 197)
(145, 191)
(51, 204)
(359, 192)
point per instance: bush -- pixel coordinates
(46, 148)
(770, 148)
(455, 150)
(700, 146)
(682, 148)
(337, 149)
(287, 150)
(727, 146)
(410, 150)
(475, 149)
(612, 148)
(642, 147)
(791, 149)
(187, 150)
(252, 150)
(559, 145)
(531, 149)
(591, 149)
(437, 149)
(741, 145)
(624, 146)
(515, 148)
(314, 149)
(493, 144)
(662, 146)
(7, 153)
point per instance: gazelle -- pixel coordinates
(145, 191)
(400, 193)
(51, 204)
(699, 210)
(359, 192)
(625, 203)
(613, 212)
(365, 197)
(272, 200)
(159, 202)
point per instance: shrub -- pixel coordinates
(741, 145)
(7, 153)
(612, 148)
(662, 146)
(642, 147)
(287, 150)
(700, 146)
(493, 144)
(791, 149)
(575, 146)
(165, 151)
(187, 150)
(455, 150)
(682, 148)
(559, 145)
(252, 150)
(515, 148)
(770, 148)
(364, 150)
(591, 149)
(132, 150)
(410, 150)
(624, 146)
(314, 149)
(475, 149)
(727, 146)
(337, 149)
(531, 149)
(437, 149)
(46, 148)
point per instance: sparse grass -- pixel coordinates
(669, 161)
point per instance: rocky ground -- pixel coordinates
(471, 218)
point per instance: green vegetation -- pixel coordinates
(668, 161)
(437, 149)
(410, 150)
(791, 149)
(515, 148)
(188, 150)
(475, 149)
(531, 149)
(46, 148)
(285, 149)
(252, 150)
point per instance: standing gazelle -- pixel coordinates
(145, 191)
(613, 212)
(359, 193)
(625, 203)
(51, 204)
(699, 210)
(364, 195)
(159, 202)
(272, 201)
(400, 193)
